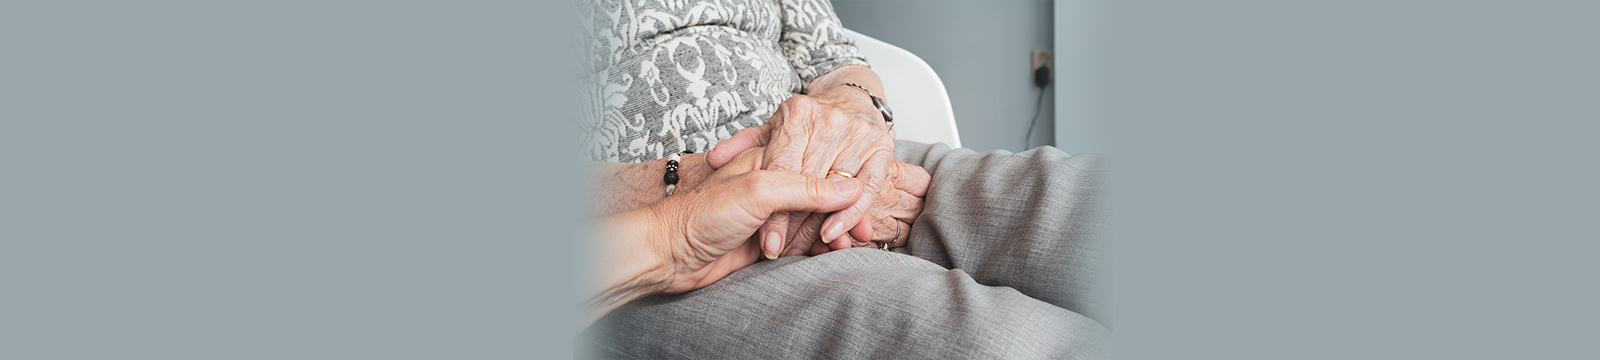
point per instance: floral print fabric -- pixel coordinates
(667, 76)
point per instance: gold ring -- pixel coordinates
(841, 173)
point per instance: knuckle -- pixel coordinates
(784, 161)
(884, 226)
(863, 119)
(906, 202)
(816, 192)
(912, 205)
(886, 142)
(853, 212)
(756, 182)
(799, 104)
(915, 170)
(801, 100)
(778, 223)
(873, 183)
(837, 116)
(750, 154)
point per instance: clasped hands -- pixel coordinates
(772, 194)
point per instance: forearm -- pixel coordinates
(856, 74)
(618, 187)
(630, 263)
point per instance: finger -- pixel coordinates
(740, 257)
(779, 223)
(898, 213)
(742, 140)
(874, 177)
(910, 178)
(808, 230)
(768, 237)
(850, 149)
(822, 227)
(863, 230)
(772, 231)
(842, 144)
(845, 241)
(786, 143)
(769, 192)
(901, 205)
(818, 248)
(803, 233)
(849, 239)
(892, 230)
(904, 237)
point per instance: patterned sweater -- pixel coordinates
(665, 76)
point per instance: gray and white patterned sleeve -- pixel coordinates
(813, 39)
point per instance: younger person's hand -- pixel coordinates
(706, 231)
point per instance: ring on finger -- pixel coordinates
(843, 173)
(886, 245)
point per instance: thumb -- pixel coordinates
(781, 191)
(742, 140)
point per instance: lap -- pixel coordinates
(1036, 221)
(1005, 261)
(858, 303)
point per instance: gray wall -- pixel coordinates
(982, 51)
(1083, 123)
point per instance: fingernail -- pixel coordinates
(845, 187)
(774, 242)
(833, 231)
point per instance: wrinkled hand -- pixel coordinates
(889, 217)
(708, 228)
(834, 130)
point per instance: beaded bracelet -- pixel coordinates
(672, 173)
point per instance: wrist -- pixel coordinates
(842, 93)
(662, 247)
(692, 169)
(626, 187)
(854, 98)
(858, 74)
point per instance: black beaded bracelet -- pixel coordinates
(672, 174)
(671, 178)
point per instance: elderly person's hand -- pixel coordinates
(889, 217)
(833, 129)
(694, 238)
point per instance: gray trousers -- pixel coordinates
(1007, 260)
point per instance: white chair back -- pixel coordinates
(921, 106)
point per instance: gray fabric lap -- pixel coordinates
(1006, 262)
(857, 303)
(1035, 221)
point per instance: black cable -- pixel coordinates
(1037, 108)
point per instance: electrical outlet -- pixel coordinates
(1043, 59)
